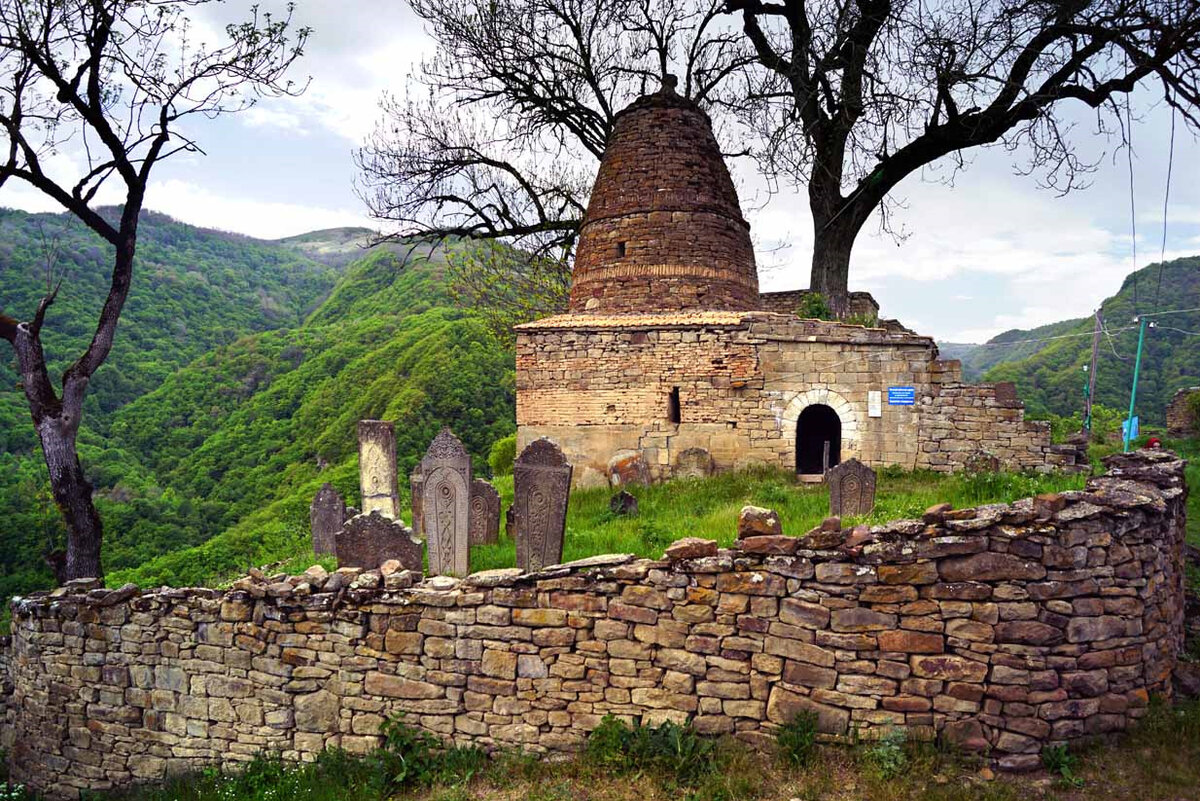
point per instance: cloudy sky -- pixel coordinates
(990, 253)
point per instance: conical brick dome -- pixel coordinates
(663, 230)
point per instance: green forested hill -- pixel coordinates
(1051, 379)
(208, 466)
(1009, 346)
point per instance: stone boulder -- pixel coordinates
(755, 521)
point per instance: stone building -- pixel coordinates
(669, 356)
(1181, 420)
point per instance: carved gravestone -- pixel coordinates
(446, 504)
(510, 524)
(694, 463)
(623, 503)
(484, 528)
(851, 489)
(542, 487)
(369, 540)
(416, 486)
(377, 468)
(325, 517)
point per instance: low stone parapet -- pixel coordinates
(1003, 628)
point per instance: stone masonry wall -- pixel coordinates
(1179, 413)
(1002, 628)
(603, 387)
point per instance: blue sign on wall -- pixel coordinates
(902, 396)
(1137, 428)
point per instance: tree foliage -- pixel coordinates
(112, 82)
(500, 132)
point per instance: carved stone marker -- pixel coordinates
(623, 503)
(694, 463)
(377, 468)
(446, 504)
(485, 513)
(369, 540)
(416, 487)
(510, 524)
(325, 518)
(542, 486)
(851, 489)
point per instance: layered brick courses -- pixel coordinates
(1001, 628)
(1180, 420)
(663, 229)
(599, 385)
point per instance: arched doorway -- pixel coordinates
(817, 425)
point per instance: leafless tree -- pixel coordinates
(499, 134)
(106, 84)
(859, 94)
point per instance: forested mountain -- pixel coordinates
(225, 444)
(1050, 375)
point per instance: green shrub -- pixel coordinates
(502, 455)
(813, 306)
(886, 756)
(674, 750)
(1058, 760)
(411, 757)
(797, 739)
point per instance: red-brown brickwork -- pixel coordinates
(663, 229)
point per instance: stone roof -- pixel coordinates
(663, 229)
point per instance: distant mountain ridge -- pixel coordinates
(1049, 372)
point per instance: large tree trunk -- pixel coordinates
(833, 241)
(73, 494)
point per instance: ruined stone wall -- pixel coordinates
(862, 304)
(601, 389)
(1180, 421)
(1002, 628)
(959, 422)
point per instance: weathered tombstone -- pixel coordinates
(982, 462)
(416, 487)
(325, 518)
(628, 467)
(484, 526)
(446, 504)
(694, 463)
(377, 468)
(623, 503)
(510, 523)
(369, 540)
(542, 487)
(851, 489)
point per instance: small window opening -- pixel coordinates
(621, 249)
(673, 406)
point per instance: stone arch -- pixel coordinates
(827, 397)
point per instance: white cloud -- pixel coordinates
(264, 219)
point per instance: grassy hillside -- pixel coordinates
(1009, 346)
(227, 438)
(1050, 375)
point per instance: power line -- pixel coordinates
(1179, 330)
(1044, 339)
(1132, 201)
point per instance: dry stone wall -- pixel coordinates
(1002, 628)
(1180, 419)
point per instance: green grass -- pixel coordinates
(709, 508)
(1158, 761)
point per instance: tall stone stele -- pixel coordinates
(445, 509)
(542, 488)
(326, 516)
(851, 489)
(377, 468)
(485, 513)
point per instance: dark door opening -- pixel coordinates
(818, 427)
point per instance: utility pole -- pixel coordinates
(1137, 369)
(1090, 396)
